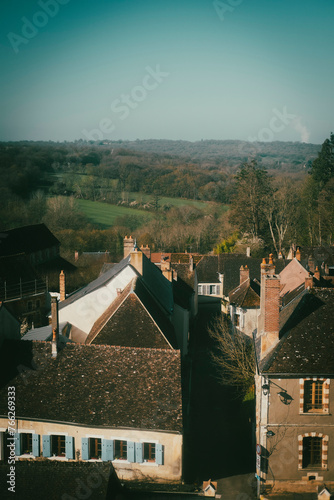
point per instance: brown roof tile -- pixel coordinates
(94, 385)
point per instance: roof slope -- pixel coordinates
(292, 276)
(27, 239)
(246, 295)
(229, 265)
(307, 347)
(95, 385)
(133, 320)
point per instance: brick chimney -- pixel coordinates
(191, 263)
(244, 274)
(76, 255)
(55, 326)
(62, 286)
(146, 251)
(268, 320)
(309, 281)
(128, 245)
(270, 314)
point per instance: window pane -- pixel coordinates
(312, 451)
(95, 448)
(149, 452)
(58, 446)
(26, 443)
(313, 395)
(121, 450)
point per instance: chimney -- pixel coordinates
(244, 274)
(248, 252)
(76, 255)
(317, 274)
(146, 251)
(309, 281)
(270, 312)
(280, 256)
(167, 270)
(62, 286)
(326, 269)
(136, 260)
(298, 254)
(55, 326)
(128, 245)
(191, 263)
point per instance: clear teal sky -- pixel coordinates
(228, 69)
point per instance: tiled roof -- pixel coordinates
(157, 257)
(60, 480)
(292, 276)
(185, 274)
(27, 239)
(207, 269)
(134, 320)
(246, 295)
(94, 385)
(307, 347)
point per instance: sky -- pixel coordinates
(178, 69)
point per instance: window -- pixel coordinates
(120, 450)
(29, 306)
(58, 446)
(95, 448)
(26, 443)
(200, 290)
(312, 452)
(149, 452)
(313, 396)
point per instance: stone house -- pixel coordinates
(294, 345)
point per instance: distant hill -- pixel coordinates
(272, 155)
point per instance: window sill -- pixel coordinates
(120, 461)
(94, 460)
(26, 455)
(62, 459)
(153, 464)
(318, 413)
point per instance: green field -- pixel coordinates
(105, 215)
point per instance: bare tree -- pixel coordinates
(234, 354)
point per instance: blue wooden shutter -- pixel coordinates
(107, 450)
(69, 448)
(84, 449)
(159, 454)
(139, 453)
(17, 441)
(131, 451)
(110, 449)
(35, 445)
(46, 446)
